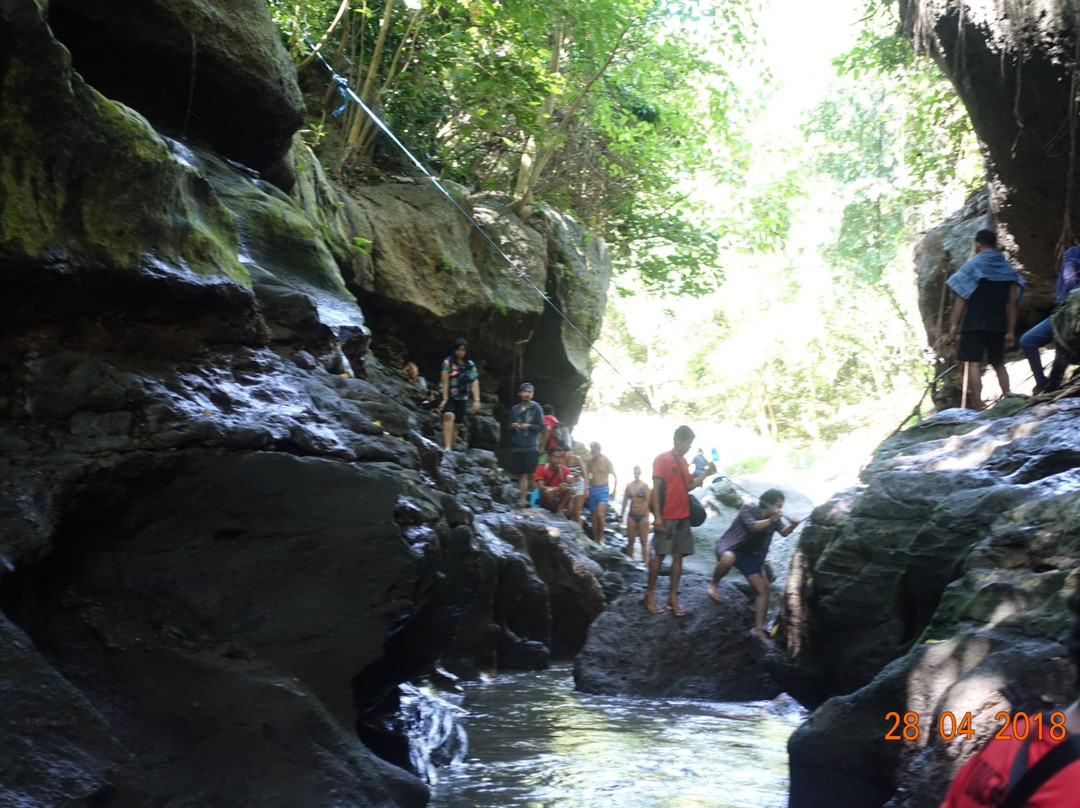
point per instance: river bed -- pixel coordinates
(533, 742)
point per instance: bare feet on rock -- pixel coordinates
(762, 637)
(676, 609)
(714, 592)
(651, 606)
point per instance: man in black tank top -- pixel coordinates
(987, 291)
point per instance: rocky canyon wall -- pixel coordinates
(940, 581)
(225, 535)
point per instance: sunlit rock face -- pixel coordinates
(225, 535)
(943, 575)
(426, 276)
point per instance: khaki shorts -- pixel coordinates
(675, 538)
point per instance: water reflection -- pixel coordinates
(535, 743)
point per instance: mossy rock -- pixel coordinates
(86, 180)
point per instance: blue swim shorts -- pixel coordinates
(598, 495)
(747, 564)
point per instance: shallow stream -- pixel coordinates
(534, 742)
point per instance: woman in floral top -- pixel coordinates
(460, 381)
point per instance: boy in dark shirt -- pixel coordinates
(526, 422)
(988, 291)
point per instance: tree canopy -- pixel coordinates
(644, 118)
(823, 337)
(612, 110)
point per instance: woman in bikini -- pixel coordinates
(636, 497)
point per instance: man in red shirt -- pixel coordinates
(551, 479)
(670, 502)
(994, 774)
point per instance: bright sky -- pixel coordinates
(803, 38)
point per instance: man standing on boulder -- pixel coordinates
(602, 480)
(988, 290)
(526, 423)
(671, 511)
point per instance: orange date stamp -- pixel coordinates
(1019, 726)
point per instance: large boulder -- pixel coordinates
(77, 170)
(1001, 625)
(707, 654)
(924, 590)
(428, 276)
(1012, 66)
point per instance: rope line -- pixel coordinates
(348, 94)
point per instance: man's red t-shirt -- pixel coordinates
(984, 780)
(551, 477)
(675, 473)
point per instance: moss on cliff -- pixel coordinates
(83, 175)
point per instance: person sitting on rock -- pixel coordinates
(670, 502)
(552, 480)
(996, 772)
(429, 398)
(412, 373)
(745, 545)
(526, 422)
(1068, 278)
(636, 497)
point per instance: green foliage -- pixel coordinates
(807, 342)
(603, 108)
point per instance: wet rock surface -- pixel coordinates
(938, 580)
(226, 535)
(197, 69)
(707, 654)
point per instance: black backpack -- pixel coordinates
(561, 436)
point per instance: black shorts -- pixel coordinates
(523, 462)
(457, 406)
(747, 564)
(975, 345)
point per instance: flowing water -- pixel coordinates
(534, 742)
